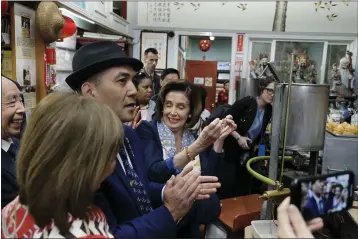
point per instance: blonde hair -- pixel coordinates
(68, 146)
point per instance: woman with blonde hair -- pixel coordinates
(69, 147)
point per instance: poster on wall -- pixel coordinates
(157, 40)
(25, 52)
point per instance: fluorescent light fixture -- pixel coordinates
(212, 38)
(65, 10)
(205, 33)
(102, 36)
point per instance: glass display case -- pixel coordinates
(334, 55)
(306, 66)
(314, 65)
(259, 49)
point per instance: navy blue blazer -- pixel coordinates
(9, 187)
(311, 209)
(158, 169)
(118, 202)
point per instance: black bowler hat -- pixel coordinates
(96, 57)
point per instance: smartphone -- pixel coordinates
(320, 195)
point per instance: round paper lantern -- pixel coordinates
(204, 45)
(4, 7)
(69, 28)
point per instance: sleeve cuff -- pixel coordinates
(170, 165)
(163, 193)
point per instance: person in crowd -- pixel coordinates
(143, 84)
(150, 64)
(12, 116)
(168, 75)
(23, 102)
(168, 140)
(67, 150)
(317, 204)
(200, 114)
(251, 115)
(134, 206)
(338, 201)
(223, 95)
(290, 223)
(171, 145)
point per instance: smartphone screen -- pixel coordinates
(320, 195)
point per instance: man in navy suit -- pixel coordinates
(12, 116)
(134, 207)
(317, 204)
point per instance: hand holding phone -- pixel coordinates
(292, 225)
(317, 196)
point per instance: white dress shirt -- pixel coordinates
(5, 144)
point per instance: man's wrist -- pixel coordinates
(172, 212)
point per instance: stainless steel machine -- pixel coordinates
(340, 153)
(298, 124)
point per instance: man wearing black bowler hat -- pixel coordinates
(134, 207)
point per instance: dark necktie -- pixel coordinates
(321, 207)
(13, 154)
(136, 184)
(13, 151)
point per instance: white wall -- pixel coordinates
(172, 56)
(258, 17)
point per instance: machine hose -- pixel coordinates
(260, 177)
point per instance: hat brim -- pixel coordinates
(77, 78)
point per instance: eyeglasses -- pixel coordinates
(270, 91)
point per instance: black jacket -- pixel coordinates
(9, 186)
(234, 178)
(244, 112)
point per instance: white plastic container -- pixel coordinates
(264, 229)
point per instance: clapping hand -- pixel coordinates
(210, 133)
(181, 191)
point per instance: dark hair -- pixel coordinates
(338, 186)
(139, 77)
(178, 86)
(202, 94)
(169, 71)
(226, 82)
(151, 50)
(263, 83)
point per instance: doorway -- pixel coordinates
(210, 68)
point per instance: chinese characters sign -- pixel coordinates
(159, 12)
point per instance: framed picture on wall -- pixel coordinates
(157, 40)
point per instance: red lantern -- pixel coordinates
(4, 7)
(204, 45)
(69, 28)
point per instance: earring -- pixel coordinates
(189, 116)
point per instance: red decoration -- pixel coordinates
(51, 55)
(69, 28)
(4, 7)
(204, 45)
(240, 43)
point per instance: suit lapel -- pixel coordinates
(158, 141)
(8, 164)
